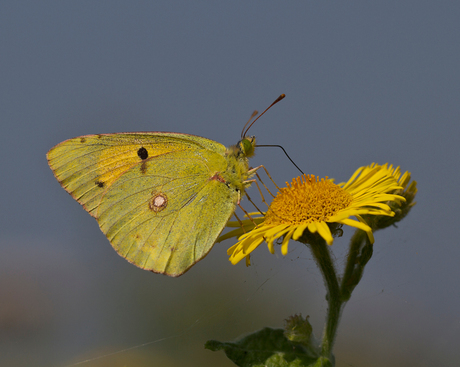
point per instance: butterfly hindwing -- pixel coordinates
(164, 216)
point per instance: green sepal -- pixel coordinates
(268, 348)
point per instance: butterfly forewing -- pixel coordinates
(86, 166)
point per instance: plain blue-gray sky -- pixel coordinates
(364, 82)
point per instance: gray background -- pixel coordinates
(364, 82)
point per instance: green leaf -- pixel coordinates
(268, 348)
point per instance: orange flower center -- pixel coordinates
(307, 199)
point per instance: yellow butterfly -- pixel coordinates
(162, 199)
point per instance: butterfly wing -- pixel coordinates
(157, 196)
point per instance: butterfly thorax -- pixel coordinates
(237, 172)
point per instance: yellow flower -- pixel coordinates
(314, 204)
(400, 209)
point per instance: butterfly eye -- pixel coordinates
(247, 146)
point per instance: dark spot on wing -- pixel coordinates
(142, 153)
(82, 140)
(99, 183)
(99, 136)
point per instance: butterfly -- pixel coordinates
(161, 198)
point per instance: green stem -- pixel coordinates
(323, 259)
(359, 254)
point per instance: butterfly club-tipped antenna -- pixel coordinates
(254, 114)
(246, 127)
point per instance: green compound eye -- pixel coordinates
(247, 146)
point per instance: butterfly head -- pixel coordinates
(246, 146)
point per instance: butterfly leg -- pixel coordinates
(253, 171)
(240, 222)
(246, 214)
(255, 206)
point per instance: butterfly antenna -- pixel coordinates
(275, 102)
(247, 123)
(287, 155)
